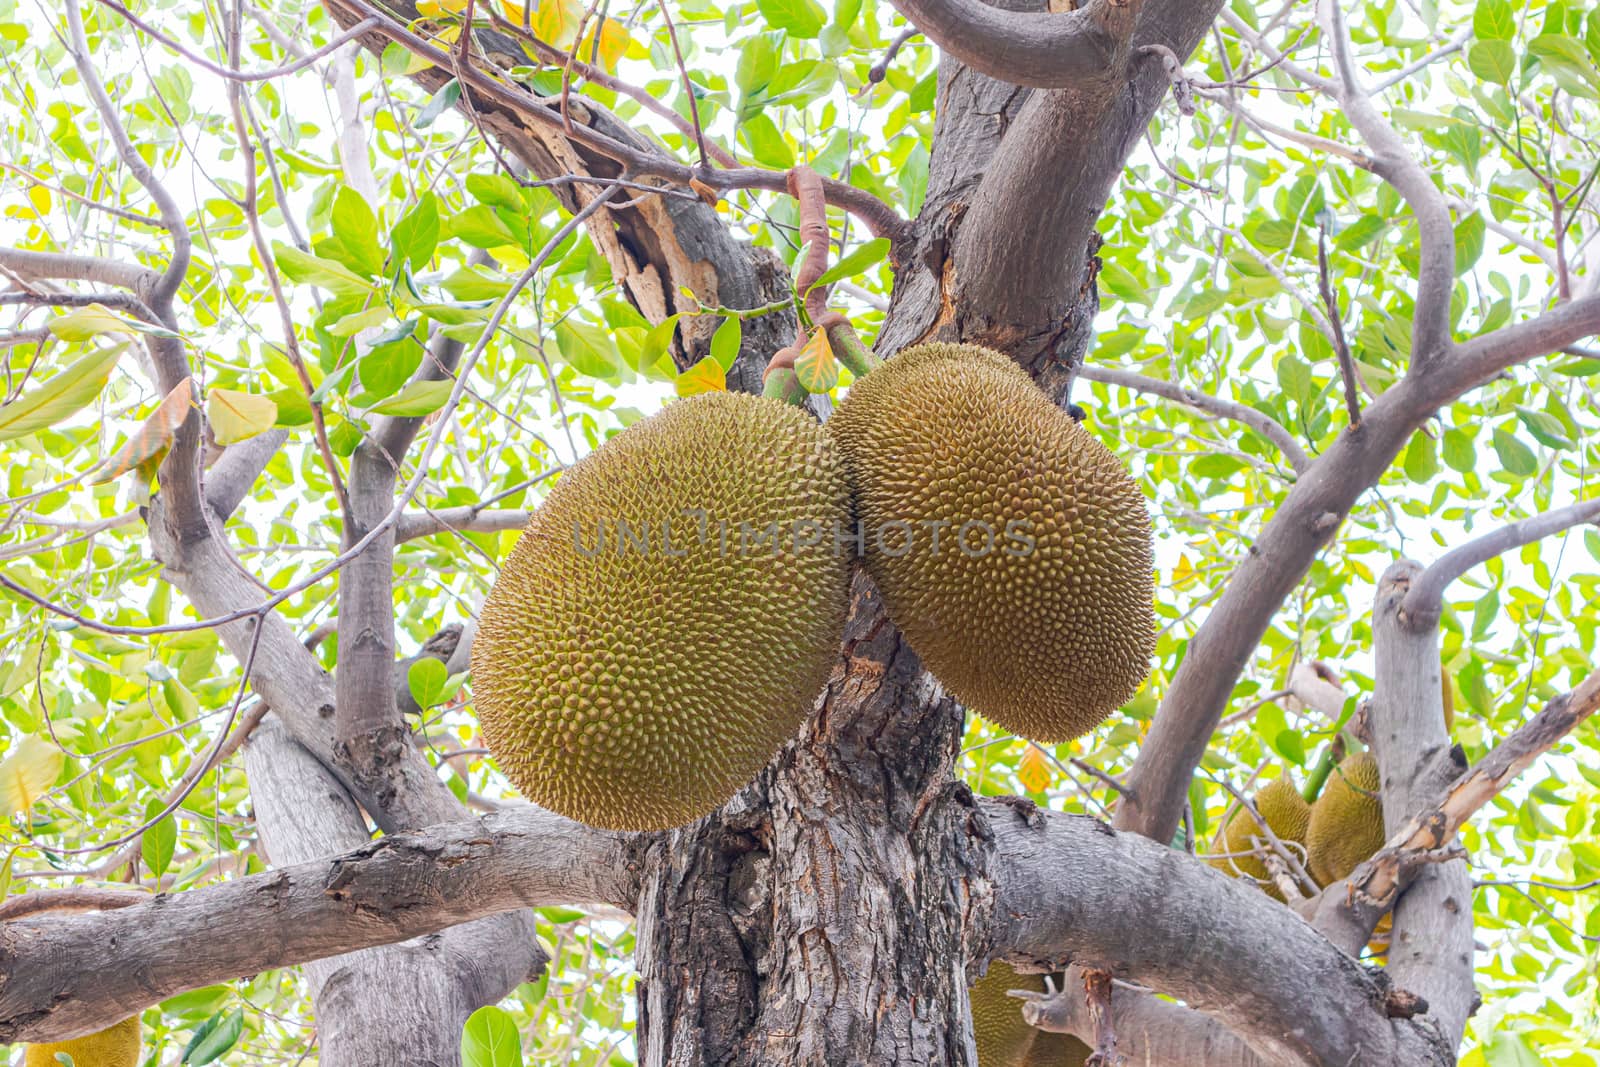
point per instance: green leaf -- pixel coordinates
(417, 398)
(356, 227)
(160, 839)
(66, 393)
(1484, 613)
(1420, 463)
(416, 235)
(914, 178)
(1516, 457)
(490, 1039)
(868, 255)
(1470, 233)
(1361, 232)
(480, 227)
(1545, 427)
(1564, 55)
(496, 190)
(442, 101)
(766, 142)
(656, 342)
(1459, 454)
(726, 341)
(800, 18)
(307, 269)
(758, 64)
(589, 349)
(214, 1037)
(426, 680)
(1493, 61)
(1493, 20)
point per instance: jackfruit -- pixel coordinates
(1009, 545)
(115, 1046)
(1346, 821)
(669, 615)
(1003, 1038)
(1285, 811)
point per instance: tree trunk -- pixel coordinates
(823, 916)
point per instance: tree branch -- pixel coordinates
(1259, 421)
(467, 518)
(1149, 1031)
(61, 975)
(124, 274)
(1347, 911)
(1393, 161)
(231, 477)
(1425, 602)
(1042, 50)
(1068, 889)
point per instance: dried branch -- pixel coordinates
(881, 219)
(231, 73)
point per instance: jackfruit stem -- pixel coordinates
(1324, 767)
(847, 347)
(780, 382)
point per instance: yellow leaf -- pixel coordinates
(704, 377)
(815, 366)
(555, 22)
(237, 416)
(614, 41)
(435, 9)
(1033, 770)
(150, 443)
(80, 324)
(513, 11)
(30, 769)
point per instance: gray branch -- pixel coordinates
(467, 518)
(65, 974)
(230, 479)
(1393, 161)
(1425, 601)
(1044, 50)
(432, 983)
(1148, 1030)
(60, 266)
(1430, 951)
(1258, 421)
(1069, 889)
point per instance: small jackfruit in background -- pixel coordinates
(115, 1046)
(669, 616)
(1346, 821)
(1035, 606)
(1284, 810)
(1003, 1038)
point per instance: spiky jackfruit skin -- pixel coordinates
(1346, 821)
(639, 689)
(1285, 811)
(998, 1029)
(1044, 638)
(115, 1046)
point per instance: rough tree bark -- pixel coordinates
(836, 909)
